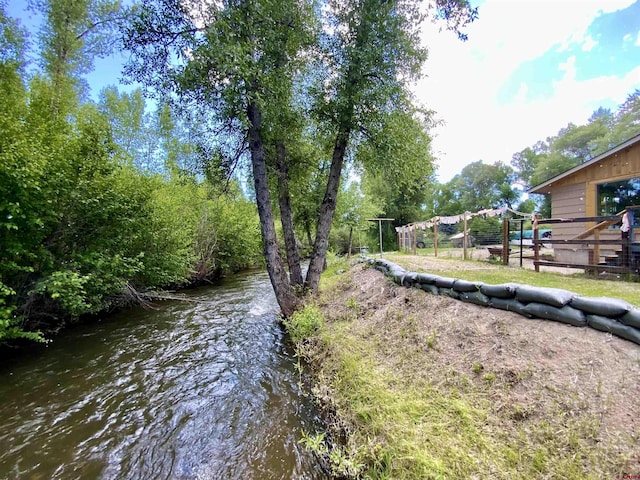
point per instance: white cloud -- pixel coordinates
(464, 79)
(588, 44)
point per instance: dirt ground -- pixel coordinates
(552, 370)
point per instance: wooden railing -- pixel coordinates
(627, 264)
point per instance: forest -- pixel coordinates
(254, 133)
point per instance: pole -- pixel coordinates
(464, 237)
(435, 238)
(380, 220)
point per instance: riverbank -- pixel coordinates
(424, 386)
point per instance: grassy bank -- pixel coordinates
(427, 387)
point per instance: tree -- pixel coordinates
(129, 124)
(237, 59)
(480, 186)
(627, 119)
(74, 33)
(353, 211)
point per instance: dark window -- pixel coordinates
(615, 196)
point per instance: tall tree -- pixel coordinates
(481, 186)
(237, 58)
(373, 53)
(74, 33)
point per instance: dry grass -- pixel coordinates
(430, 387)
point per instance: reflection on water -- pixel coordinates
(197, 389)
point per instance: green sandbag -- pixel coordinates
(475, 297)
(448, 292)
(466, 286)
(427, 278)
(428, 288)
(445, 282)
(409, 279)
(509, 304)
(504, 290)
(556, 297)
(632, 318)
(565, 314)
(609, 325)
(604, 306)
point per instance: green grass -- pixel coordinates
(403, 427)
(406, 414)
(496, 274)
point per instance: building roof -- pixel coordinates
(588, 163)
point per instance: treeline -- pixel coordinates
(99, 200)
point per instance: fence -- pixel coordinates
(593, 250)
(426, 234)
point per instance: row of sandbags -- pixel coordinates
(610, 315)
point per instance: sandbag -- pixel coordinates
(604, 306)
(509, 304)
(556, 297)
(383, 265)
(632, 318)
(409, 279)
(614, 327)
(445, 282)
(475, 297)
(565, 314)
(504, 290)
(397, 276)
(427, 278)
(428, 288)
(466, 286)
(448, 292)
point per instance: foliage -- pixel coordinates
(486, 231)
(81, 223)
(304, 323)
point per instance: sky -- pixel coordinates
(528, 68)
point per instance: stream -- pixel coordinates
(199, 389)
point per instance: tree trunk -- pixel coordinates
(350, 242)
(293, 257)
(277, 274)
(307, 228)
(327, 210)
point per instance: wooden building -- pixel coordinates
(604, 185)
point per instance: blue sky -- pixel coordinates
(528, 69)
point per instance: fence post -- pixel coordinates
(415, 239)
(464, 236)
(505, 241)
(536, 246)
(435, 238)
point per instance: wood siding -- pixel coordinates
(621, 165)
(568, 202)
(576, 195)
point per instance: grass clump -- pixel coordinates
(304, 323)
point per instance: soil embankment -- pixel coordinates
(430, 387)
